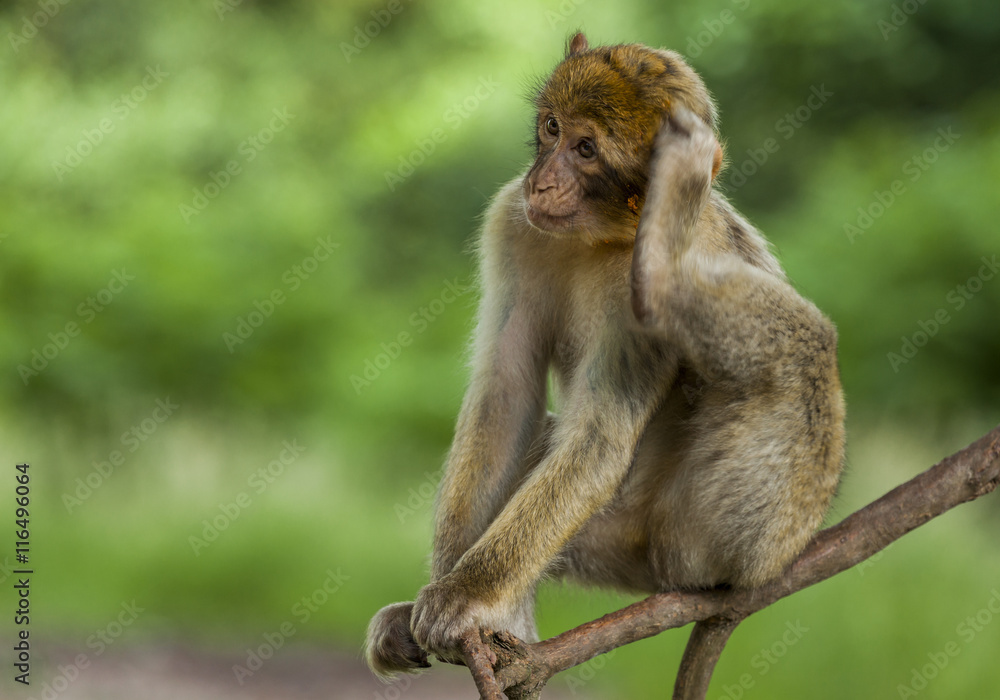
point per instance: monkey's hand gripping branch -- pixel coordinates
(502, 664)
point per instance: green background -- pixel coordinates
(387, 154)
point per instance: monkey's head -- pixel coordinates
(598, 115)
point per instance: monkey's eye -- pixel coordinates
(552, 126)
(586, 148)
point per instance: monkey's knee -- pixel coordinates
(389, 647)
(769, 558)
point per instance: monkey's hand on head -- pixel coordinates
(685, 158)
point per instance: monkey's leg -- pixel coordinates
(727, 494)
(750, 489)
(522, 616)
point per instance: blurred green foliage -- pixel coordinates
(212, 208)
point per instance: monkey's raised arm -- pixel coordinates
(736, 321)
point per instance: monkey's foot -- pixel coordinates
(390, 647)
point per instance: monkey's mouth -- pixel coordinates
(548, 222)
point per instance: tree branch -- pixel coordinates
(708, 639)
(480, 659)
(522, 670)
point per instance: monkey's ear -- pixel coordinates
(718, 159)
(578, 44)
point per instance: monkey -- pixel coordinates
(699, 437)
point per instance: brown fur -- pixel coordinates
(617, 96)
(700, 433)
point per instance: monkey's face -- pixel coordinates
(598, 115)
(557, 189)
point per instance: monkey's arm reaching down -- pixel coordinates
(591, 450)
(502, 415)
(504, 406)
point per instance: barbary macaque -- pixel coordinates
(699, 436)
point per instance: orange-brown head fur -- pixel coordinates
(617, 97)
